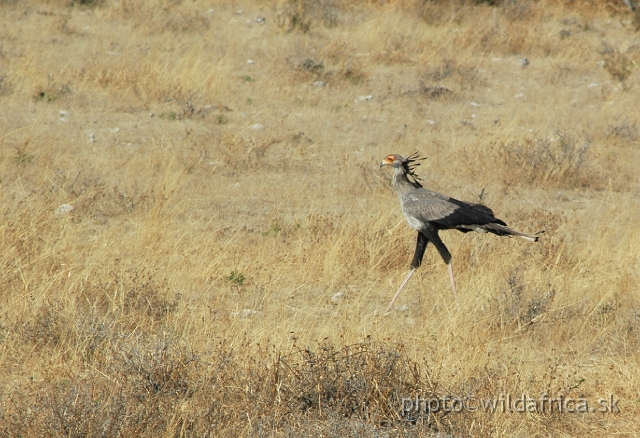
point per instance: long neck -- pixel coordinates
(401, 183)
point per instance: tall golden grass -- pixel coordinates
(232, 244)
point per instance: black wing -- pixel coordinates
(446, 212)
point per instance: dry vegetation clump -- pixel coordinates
(301, 15)
(147, 386)
(196, 239)
(619, 64)
(561, 161)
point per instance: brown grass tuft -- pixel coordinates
(561, 161)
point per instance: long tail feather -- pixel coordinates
(502, 230)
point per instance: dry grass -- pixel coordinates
(232, 245)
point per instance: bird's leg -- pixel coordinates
(421, 245)
(401, 287)
(453, 283)
(446, 256)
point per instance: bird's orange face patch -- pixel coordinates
(390, 159)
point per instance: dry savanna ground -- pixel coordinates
(196, 240)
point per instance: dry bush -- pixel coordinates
(618, 65)
(561, 162)
(521, 303)
(625, 130)
(150, 380)
(133, 293)
(133, 385)
(465, 76)
(302, 15)
(334, 65)
(438, 12)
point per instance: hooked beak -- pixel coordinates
(385, 162)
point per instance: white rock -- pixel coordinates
(245, 313)
(63, 209)
(363, 98)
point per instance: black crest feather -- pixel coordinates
(409, 164)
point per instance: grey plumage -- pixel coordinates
(429, 212)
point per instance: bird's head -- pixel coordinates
(406, 164)
(394, 160)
